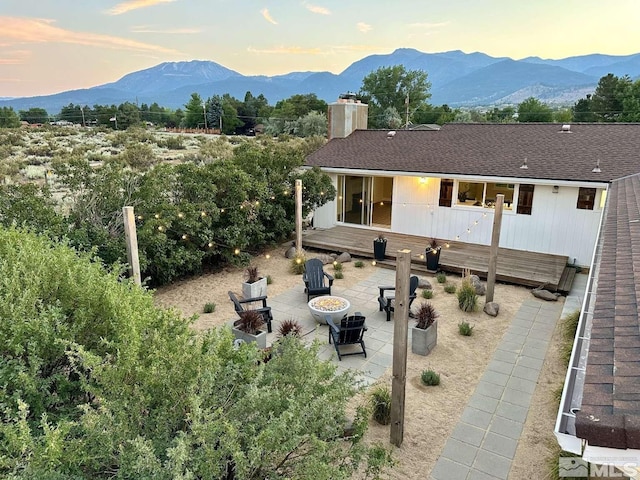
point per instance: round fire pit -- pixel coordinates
(337, 307)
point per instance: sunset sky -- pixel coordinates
(49, 46)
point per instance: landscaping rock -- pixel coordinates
(491, 308)
(291, 252)
(478, 285)
(325, 258)
(543, 294)
(425, 284)
(344, 257)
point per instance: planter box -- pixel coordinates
(260, 338)
(423, 341)
(433, 259)
(255, 289)
(379, 249)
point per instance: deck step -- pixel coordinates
(566, 279)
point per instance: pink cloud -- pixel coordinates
(129, 5)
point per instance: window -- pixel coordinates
(525, 199)
(586, 198)
(446, 192)
(481, 194)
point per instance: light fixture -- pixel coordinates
(423, 180)
(555, 189)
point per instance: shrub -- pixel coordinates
(568, 327)
(441, 277)
(465, 329)
(381, 404)
(428, 294)
(338, 275)
(425, 315)
(250, 322)
(290, 327)
(358, 264)
(251, 274)
(297, 265)
(337, 266)
(467, 296)
(269, 279)
(450, 288)
(430, 378)
(209, 307)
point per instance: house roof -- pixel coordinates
(610, 412)
(492, 150)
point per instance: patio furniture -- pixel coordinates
(387, 300)
(316, 280)
(240, 307)
(350, 332)
(331, 305)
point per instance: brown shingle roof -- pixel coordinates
(610, 411)
(492, 150)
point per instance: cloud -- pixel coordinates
(333, 50)
(168, 31)
(267, 16)
(36, 30)
(129, 5)
(429, 25)
(363, 27)
(15, 57)
(318, 9)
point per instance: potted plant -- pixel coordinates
(424, 335)
(248, 326)
(254, 285)
(432, 254)
(290, 327)
(379, 247)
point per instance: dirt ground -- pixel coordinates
(431, 413)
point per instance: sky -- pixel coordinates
(50, 46)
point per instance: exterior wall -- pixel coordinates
(554, 226)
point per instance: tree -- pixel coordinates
(533, 110)
(214, 111)
(501, 115)
(607, 100)
(34, 115)
(395, 87)
(194, 112)
(582, 110)
(9, 118)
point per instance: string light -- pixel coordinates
(267, 256)
(161, 228)
(180, 215)
(184, 237)
(157, 216)
(236, 251)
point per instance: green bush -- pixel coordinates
(441, 277)
(209, 307)
(297, 265)
(450, 288)
(359, 264)
(337, 266)
(269, 279)
(380, 398)
(427, 293)
(467, 296)
(569, 325)
(430, 378)
(465, 329)
(338, 275)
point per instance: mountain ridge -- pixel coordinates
(458, 79)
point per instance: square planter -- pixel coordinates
(255, 289)
(424, 340)
(433, 259)
(260, 338)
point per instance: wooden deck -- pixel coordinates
(514, 266)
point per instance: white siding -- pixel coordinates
(554, 226)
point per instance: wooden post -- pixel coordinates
(493, 251)
(131, 239)
(400, 329)
(299, 216)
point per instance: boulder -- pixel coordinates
(291, 252)
(545, 295)
(425, 284)
(325, 259)
(344, 257)
(478, 285)
(491, 308)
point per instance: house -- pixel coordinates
(572, 190)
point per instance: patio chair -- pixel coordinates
(316, 280)
(240, 307)
(387, 300)
(350, 332)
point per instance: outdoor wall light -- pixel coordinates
(555, 189)
(423, 180)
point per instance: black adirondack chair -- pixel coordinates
(316, 280)
(387, 300)
(240, 307)
(350, 332)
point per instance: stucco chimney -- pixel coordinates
(346, 115)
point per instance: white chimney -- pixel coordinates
(346, 115)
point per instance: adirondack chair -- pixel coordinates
(265, 311)
(316, 280)
(387, 300)
(350, 332)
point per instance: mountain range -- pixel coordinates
(458, 79)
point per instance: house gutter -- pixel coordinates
(571, 400)
(394, 173)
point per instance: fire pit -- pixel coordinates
(336, 307)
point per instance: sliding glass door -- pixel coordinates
(365, 200)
